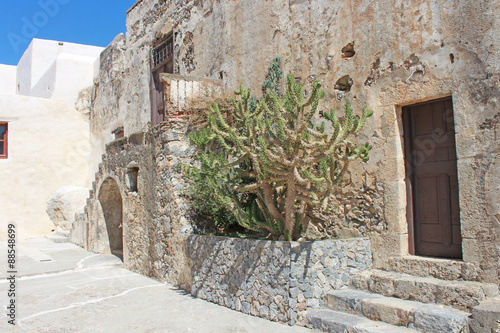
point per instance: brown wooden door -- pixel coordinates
(157, 98)
(431, 177)
(162, 61)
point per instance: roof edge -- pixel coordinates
(133, 6)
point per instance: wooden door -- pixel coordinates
(157, 98)
(431, 178)
(162, 61)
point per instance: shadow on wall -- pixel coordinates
(112, 207)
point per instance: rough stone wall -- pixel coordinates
(107, 98)
(275, 280)
(154, 216)
(396, 53)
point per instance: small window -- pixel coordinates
(163, 52)
(3, 140)
(118, 132)
(131, 179)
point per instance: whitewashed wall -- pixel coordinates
(48, 149)
(7, 79)
(57, 70)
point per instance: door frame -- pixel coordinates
(409, 167)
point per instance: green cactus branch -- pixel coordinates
(279, 156)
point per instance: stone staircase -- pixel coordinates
(384, 301)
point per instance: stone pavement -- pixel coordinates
(63, 288)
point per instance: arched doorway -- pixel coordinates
(112, 207)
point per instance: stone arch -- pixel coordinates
(112, 208)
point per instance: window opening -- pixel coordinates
(163, 52)
(3, 140)
(132, 176)
(118, 132)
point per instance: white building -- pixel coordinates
(44, 140)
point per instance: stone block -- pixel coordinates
(360, 281)
(444, 269)
(332, 321)
(389, 122)
(64, 203)
(395, 206)
(390, 310)
(388, 245)
(461, 295)
(347, 300)
(404, 288)
(486, 317)
(382, 283)
(435, 319)
(377, 327)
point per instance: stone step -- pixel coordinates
(58, 238)
(62, 232)
(341, 322)
(486, 317)
(444, 269)
(425, 317)
(463, 295)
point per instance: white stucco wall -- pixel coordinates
(44, 88)
(57, 70)
(7, 79)
(48, 149)
(73, 73)
(23, 71)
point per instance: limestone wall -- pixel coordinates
(106, 99)
(276, 280)
(390, 53)
(154, 216)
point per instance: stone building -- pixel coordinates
(428, 199)
(44, 140)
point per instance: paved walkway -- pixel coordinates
(63, 288)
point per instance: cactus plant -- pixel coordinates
(276, 154)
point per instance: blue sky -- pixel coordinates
(92, 22)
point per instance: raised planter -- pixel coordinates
(276, 280)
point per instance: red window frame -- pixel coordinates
(4, 142)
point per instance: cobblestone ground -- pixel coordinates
(63, 288)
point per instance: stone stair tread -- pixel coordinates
(429, 317)
(463, 295)
(335, 321)
(58, 238)
(63, 233)
(398, 275)
(441, 268)
(486, 316)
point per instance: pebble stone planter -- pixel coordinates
(276, 280)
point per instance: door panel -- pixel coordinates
(431, 176)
